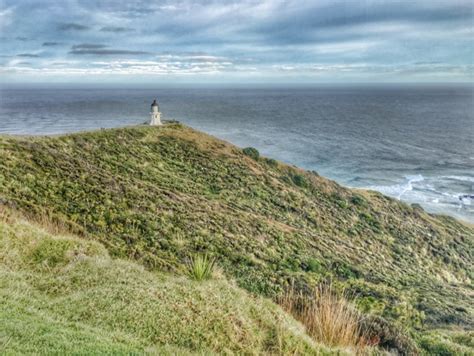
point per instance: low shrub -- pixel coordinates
(339, 200)
(344, 270)
(358, 200)
(370, 220)
(298, 180)
(313, 265)
(388, 335)
(417, 207)
(251, 152)
(271, 162)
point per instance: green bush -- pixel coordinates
(343, 270)
(339, 200)
(389, 336)
(299, 180)
(358, 200)
(271, 162)
(251, 152)
(370, 220)
(313, 265)
(417, 207)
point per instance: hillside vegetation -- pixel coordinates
(63, 295)
(157, 195)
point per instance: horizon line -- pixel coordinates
(184, 85)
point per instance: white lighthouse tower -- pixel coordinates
(155, 114)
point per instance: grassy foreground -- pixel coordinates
(157, 195)
(63, 295)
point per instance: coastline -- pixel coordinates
(360, 137)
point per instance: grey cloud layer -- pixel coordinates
(264, 37)
(72, 27)
(106, 52)
(28, 55)
(116, 29)
(101, 50)
(51, 44)
(87, 46)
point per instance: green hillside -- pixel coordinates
(63, 295)
(158, 195)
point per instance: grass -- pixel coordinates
(447, 342)
(329, 316)
(72, 298)
(157, 195)
(200, 267)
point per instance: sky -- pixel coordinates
(267, 41)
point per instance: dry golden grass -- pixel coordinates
(329, 317)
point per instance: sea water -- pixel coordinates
(414, 143)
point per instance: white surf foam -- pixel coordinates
(398, 190)
(460, 178)
(465, 200)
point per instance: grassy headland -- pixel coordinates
(157, 195)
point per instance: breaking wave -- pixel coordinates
(398, 190)
(436, 194)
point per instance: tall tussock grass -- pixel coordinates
(329, 317)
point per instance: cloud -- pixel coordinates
(175, 64)
(116, 29)
(177, 68)
(70, 26)
(270, 37)
(28, 55)
(295, 23)
(23, 39)
(87, 46)
(106, 52)
(102, 50)
(6, 18)
(51, 44)
(344, 47)
(191, 56)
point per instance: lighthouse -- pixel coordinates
(155, 114)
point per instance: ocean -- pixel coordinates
(414, 143)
